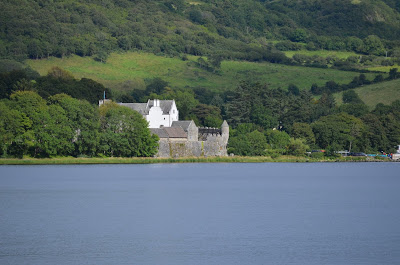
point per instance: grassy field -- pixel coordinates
(384, 69)
(135, 160)
(322, 53)
(126, 71)
(385, 93)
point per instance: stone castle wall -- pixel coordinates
(215, 145)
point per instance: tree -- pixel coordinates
(213, 121)
(156, 85)
(325, 106)
(85, 88)
(28, 102)
(215, 61)
(196, 16)
(262, 116)
(393, 74)
(375, 133)
(24, 85)
(84, 122)
(350, 96)
(332, 86)
(278, 140)
(294, 90)
(355, 44)
(208, 115)
(101, 56)
(341, 129)
(392, 129)
(373, 45)
(15, 136)
(299, 35)
(57, 72)
(124, 132)
(248, 144)
(303, 131)
(353, 104)
(241, 101)
(357, 110)
(53, 133)
(185, 102)
(296, 147)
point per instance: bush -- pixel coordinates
(297, 147)
(317, 155)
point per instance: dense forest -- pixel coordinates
(36, 120)
(239, 29)
(64, 126)
(57, 115)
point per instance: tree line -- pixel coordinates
(55, 82)
(65, 126)
(264, 121)
(273, 121)
(239, 29)
(269, 121)
(333, 87)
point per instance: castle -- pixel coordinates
(180, 138)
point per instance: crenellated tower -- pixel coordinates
(225, 132)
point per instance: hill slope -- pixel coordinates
(127, 71)
(235, 29)
(385, 92)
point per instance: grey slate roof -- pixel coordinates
(139, 107)
(165, 105)
(143, 108)
(169, 132)
(159, 132)
(176, 132)
(183, 124)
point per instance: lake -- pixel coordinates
(267, 213)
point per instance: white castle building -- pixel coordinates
(179, 138)
(157, 112)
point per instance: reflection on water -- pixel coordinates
(268, 213)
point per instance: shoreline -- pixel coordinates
(152, 160)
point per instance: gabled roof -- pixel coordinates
(169, 132)
(165, 105)
(139, 107)
(183, 124)
(159, 132)
(143, 108)
(176, 132)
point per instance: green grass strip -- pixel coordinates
(135, 160)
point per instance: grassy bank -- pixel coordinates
(126, 71)
(385, 92)
(384, 69)
(322, 53)
(118, 160)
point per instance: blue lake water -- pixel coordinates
(268, 213)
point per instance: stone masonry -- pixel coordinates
(200, 142)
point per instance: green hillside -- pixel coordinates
(385, 92)
(127, 71)
(241, 29)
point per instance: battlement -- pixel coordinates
(206, 133)
(203, 141)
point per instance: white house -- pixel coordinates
(179, 138)
(157, 112)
